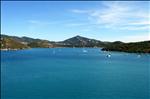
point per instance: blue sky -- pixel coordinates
(126, 21)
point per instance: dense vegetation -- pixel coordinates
(13, 42)
(138, 47)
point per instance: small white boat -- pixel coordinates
(109, 55)
(85, 51)
(138, 56)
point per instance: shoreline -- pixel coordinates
(76, 47)
(15, 49)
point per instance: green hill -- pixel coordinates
(137, 47)
(40, 44)
(14, 42)
(79, 41)
(8, 43)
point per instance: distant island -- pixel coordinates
(15, 43)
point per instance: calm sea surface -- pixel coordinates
(74, 73)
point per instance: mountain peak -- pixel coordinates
(81, 41)
(77, 36)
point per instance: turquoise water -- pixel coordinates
(73, 73)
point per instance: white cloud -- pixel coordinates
(112, 15)
(119, 14)
(79, 11)
(145, 27)
(144, 22)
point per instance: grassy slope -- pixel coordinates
(12, 44)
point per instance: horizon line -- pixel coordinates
(75, 36)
